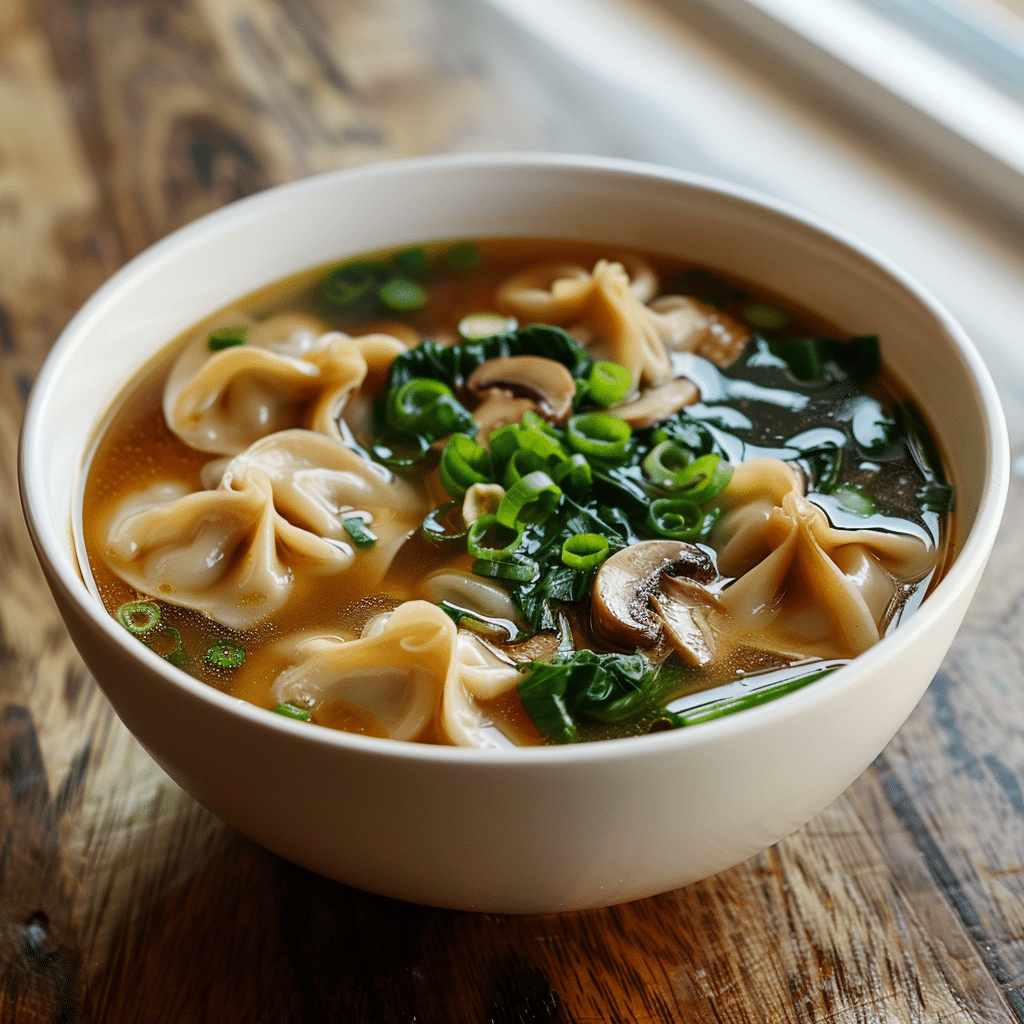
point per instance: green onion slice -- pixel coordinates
(464, 463)
(609, 383)
(705, 478)
(138, 617)
(536, 435)
(665, 461)
(225, 654)
(476, 326)
(463, 256)
(573, 475)
(359, 533)
(585, 550)
(402, 295)
(445, 524)
(166, 642)
(521, 463)
(490, 540)
(428, 408)
(348, 284)
(854, 500)
(291, 711)
(519, 570)
(598, 435)
(763, 316)
(226, 337)
(531, 499)
(413, 262)
(676, 518)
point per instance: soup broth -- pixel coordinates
(513, 492)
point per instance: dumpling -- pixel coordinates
(410, 667)
(609, 300)
(272, 514)
(804, 587)
(289, 372)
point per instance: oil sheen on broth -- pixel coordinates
(514, 492)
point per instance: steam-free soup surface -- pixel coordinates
(511, 492)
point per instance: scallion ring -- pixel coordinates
(464, 463)
(676, 518)
(704, 479)
(584, 550)
(665, 461)
(291, 711)
(490, 540)
(609, 383)
(531, 499)
(598, 435)
(224, 654)
(402, 295)
(445, 524)
(517, 570)
(138, 617)
(226, 337)
(427, 408)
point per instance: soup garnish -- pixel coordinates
(506, 493)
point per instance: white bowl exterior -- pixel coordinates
(531, 830)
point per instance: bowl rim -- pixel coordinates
(966, 566)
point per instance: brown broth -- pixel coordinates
(138, 448)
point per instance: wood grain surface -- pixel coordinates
(121, 900)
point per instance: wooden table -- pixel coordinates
(121, 900)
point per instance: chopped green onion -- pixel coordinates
(225, 654)
(599, 435)
(402, 296)
(763, 316)
(413, 262)
(463, 256)
(536, 435)
(484, 325)
(291, 711)
(138, 617)
(531, 499)
(584, 550)
(573, 475)
(665, 461)
(176, 654)
(348, 284)
(518, 570)
(676, 518)
(427, 408)
(226, 337)
(703, 479)
(464, 463)
(608, 383)
(521, 463)
(730, 705)
(854, 500)
(491, 540)
(445, 524)
(359, 533)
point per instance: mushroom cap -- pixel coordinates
(620, 607)
(657, 404)
(546, 381)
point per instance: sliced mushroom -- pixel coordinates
(545, 381)
(682, 607)
(620, 606)
(500, 408)
(658, 403)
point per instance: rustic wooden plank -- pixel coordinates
(955, 772)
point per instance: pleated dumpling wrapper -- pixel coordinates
(289, 371)
(805, 588)
(409, 668)
(273, 515)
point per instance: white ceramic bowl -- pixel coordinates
(537, 829)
